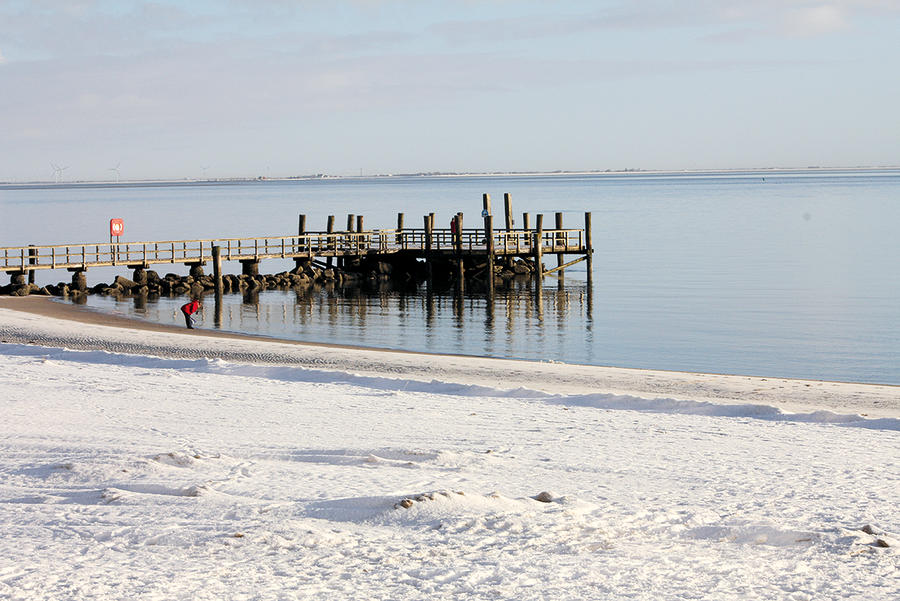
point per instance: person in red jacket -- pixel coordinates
(188, 310)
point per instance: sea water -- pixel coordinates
(772, 273)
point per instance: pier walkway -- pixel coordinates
(456, 246)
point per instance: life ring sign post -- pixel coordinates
(116, 228)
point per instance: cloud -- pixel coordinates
(815, 20)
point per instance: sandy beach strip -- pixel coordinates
(42, 321)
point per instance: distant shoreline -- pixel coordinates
(222, 181)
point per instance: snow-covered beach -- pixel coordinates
(142, 461)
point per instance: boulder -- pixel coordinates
(124, 283)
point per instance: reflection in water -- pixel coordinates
(415, 317)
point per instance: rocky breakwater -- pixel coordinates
(146, 282)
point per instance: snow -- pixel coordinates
(196, 477)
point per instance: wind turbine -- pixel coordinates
(203, 171)
(58, 170)
(116, 169)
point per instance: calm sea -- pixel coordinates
(762, 273)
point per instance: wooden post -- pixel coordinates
(360, 243)
(558, 239)
(330, 245)
(486, 203)
(489, 242)
(301, 230)
(32, 260)
(350, 220)
(429, 226)
(588, 247)
(460, 265)
(217, 268)
(399, 229)
(526, 221)
(536, 246)
(507, 210)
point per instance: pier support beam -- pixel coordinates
(217, 281)
(460, 264)
(536, 246)
(250, 267)
(32, 260)
(589, 248)
(429, 225)
(301, 262)
(79, 280)
(139, 274)
(329, 228)
(559, 239)
(489, 244)
(217, 268)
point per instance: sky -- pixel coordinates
(247, 88)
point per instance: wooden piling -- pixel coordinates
(557, 240)
(489, 243)
(526, 221)
(429, 226)
(588, 247)
(460, 264)
(507, 210)
(350, 220)
(329, 228)
(537, 245)
(359, 224)
(301, 230)
(32, 260)
(217, 268)
(399, 229)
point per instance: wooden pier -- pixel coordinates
(456, 246)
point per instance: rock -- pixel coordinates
(152, 277)
(868, 529)
(46, 291)
(880, 542)
(139, 276)
(543, 497)
(124, 283)
(405, 503)
(18, 279)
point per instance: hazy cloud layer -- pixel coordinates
(402, 86)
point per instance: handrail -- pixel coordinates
(308, 244)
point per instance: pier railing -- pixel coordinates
(80, 256)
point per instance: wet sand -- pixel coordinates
(42, 321)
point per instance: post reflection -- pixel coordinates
(523, 318)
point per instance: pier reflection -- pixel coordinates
(521, 317)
